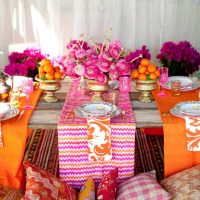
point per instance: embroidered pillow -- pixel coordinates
(88, 190)
(43, 185)
(184, 184)
(142, 186)
(108, 185)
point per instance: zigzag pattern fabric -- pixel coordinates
(74, 165)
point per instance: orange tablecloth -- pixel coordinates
(176, 156)
(14, 138)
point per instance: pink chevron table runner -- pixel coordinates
(74, 165)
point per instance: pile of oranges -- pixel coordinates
(145, 71)
(49, 72)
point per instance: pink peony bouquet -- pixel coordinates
(98, 61)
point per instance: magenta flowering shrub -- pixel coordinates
(100, 61)
(24, 64)
(181, 59)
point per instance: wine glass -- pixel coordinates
(163, 80)
(27, 88)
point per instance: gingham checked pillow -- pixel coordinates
(142, 187)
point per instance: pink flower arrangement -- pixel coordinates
(98, 61)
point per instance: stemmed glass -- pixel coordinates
(163, 80)
(27, 88)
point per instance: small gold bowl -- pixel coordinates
(49, 86)
(97, 89)
(145, 87)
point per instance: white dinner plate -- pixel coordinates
(97, 108)
(10, 114)
(79, 111)
(4, 108)
(191, 108)
(187, 83)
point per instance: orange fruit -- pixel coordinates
(134, 73)
(48, 68)
(147, 72)
(153, 76)
(57, 75)
(142, 77)
(145, 62)
(157, 72)
(151, 68)
(45, 61)
(42, 75)
(142, 69)
(41, 69)
(49, 76)
(57, 69)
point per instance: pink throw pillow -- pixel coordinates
(142, 186)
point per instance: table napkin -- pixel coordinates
(193, 133)
(99, 138)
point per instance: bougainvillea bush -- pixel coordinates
(180, 58)
(25, 63)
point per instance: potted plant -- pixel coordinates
(182, 58)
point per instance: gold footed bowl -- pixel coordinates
(97, 88)
(50, 87)
(145, 87)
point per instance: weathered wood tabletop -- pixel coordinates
(46, 115)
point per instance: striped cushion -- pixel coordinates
(142, 187)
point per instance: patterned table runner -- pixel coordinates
(176, 155)
(74, 165)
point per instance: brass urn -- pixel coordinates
(97, 88)
(145, 87)
(50, 87)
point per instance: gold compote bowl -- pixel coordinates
(145, 87)
(97, 88)
(50, 87)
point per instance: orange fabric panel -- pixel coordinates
(176, 155)
(14, 138)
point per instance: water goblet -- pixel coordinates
(27, 89)
(163, 80)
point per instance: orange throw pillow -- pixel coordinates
(43, 185)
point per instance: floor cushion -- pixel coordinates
(88, 190)
(184, 184)
(143, 186)
(107, 187)
(43, 185)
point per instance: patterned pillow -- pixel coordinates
(184, 184)
(43, 185)
(108, 186)
(88, 190)
(142, 186)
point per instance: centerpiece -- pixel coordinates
(181, 58)
(98, 63)
(145, 77)
(49, 77)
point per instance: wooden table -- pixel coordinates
(46, 115)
